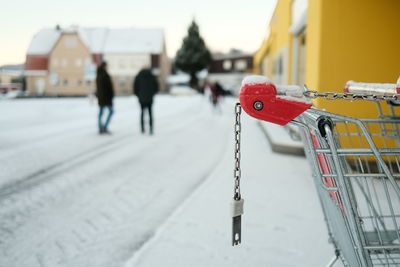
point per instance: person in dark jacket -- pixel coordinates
(105, 94)
(145, 87)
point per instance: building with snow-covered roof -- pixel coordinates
(11, 78)
(63, 61)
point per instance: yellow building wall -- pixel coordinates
(279, 40)
(258, 57)
(351, 40)
(32, 84)
(68, 59)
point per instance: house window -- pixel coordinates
(240, 64)
(122, 81)
(122, 64)
(88, 83)
(227, 65)
(65, 82)
(54, 62)
(78, 62)
(301, 68)
(53, 79)
(70, 42)
(79, 82)
(262, 67)
(280, 65)
(278, 70)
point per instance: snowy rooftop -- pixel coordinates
(43, 42)
(134, 41)
(103, 40)
(94, 38)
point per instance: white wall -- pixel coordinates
(299, 12)
(126, 64)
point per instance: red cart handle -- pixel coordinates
(262, 100)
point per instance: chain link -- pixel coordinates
(308, 94)
(237, 170)
(349, 96)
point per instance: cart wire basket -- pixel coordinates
(355, 164)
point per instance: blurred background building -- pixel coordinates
(324, 44)
(11, 78)
(229, 69)
(63, 62)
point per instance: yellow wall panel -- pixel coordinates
(352, 40)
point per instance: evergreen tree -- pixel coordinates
(193, 56)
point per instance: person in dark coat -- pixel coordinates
(105, 94)
(145, 86)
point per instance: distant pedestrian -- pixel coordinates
(105, 94)
(215, 92)
(145, 87)
(220, 91)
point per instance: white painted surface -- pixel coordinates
(126, 64)
(299, 15)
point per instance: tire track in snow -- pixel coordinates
(36, 177)
(90, 230)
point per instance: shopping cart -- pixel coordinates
(355, 164)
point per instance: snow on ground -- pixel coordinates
(69, 197)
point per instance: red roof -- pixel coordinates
(36, 62)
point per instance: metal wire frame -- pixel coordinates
(356, 172)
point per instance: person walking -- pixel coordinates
(214, 92)
(105, 94)
(145, 86)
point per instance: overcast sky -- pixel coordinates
(224, 24)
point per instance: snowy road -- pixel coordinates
(70, 197)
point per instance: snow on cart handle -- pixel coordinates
(290, 90)
(263, 100)
(282, 90)
(388, 89)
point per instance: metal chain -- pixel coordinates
(237, 170)
(349, 96)
(308, 94)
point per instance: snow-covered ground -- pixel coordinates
(69, 197)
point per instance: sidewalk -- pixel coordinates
(282, 224)
(280, 139)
